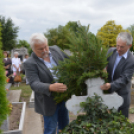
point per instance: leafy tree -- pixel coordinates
(24, 43)
(131, 30)
(109, 32)
(9, 33)
(72, 26)
(4, 110)
(87, 61)
(59, 36)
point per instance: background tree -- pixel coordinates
(109, 32)
(24, 43)
(72, 26)
(9, 33)
(59, 36)
(4, 110)
(131, 30)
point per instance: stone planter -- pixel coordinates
(6, 125)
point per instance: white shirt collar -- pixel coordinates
(49, 55)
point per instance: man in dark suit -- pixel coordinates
(120, 70)
(40, 77)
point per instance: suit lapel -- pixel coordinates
(120, 64)
(113, 61)
(42, 65)
(54, 55)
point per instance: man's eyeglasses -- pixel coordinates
(121, 47)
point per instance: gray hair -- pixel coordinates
(126, 37)
(16, 53)
(38, 38)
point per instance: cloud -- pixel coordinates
(39, 16)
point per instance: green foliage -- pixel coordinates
(131, 30)
(9, 33)
(99, 120)
(87, 61)
(59, 36)
(4, 110)
(131, 110)
(109, 32)
(24, 43)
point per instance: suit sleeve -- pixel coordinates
(124, 78)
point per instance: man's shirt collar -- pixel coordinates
(124, 55)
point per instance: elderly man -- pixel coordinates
(120, 70)
(40, 76)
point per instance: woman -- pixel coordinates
(16, 63)
(16, 67)
(7, 64)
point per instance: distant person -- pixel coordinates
(120, 70)
(22, 66)
(26, 57)
(23, 69)
(7, 63)
(40, 76)
(16, 63)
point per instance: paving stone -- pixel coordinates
(33, 123)
(14, 95)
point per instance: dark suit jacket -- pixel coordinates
(40, 78)
(122, 76)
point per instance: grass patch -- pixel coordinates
(25, 91)
(131, 110)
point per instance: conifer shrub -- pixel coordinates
(87, 61)
(99, 120)
(4, 110)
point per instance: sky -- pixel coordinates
(38, 16)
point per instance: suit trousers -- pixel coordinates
(60, 119)
(124, 111)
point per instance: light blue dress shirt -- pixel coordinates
(50, 65)
(117, 60)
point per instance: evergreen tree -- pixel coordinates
(24, 43)
(3, 100)
(88, 61)
(109, 32)
(9, 33)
